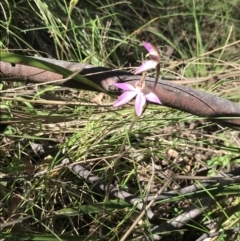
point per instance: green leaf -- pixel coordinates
(34, 62)
(93, 208)
(39, 237)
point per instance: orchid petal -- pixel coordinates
(147, 65)
(124, 86)
(153, 52)
(139, 103)
(152, 98)
(148, 46)
(124, 98)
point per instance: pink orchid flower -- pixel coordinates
(149, 64)
(130, 92)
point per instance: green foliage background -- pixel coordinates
(196, 39)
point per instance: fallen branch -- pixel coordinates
(172, 95)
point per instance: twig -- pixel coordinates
(121, 194)
(10, 223)
(197, 187)
(189, 214)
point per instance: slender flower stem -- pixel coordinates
(143, 78)
(120, 154)
(121, 151)
(157, 76)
